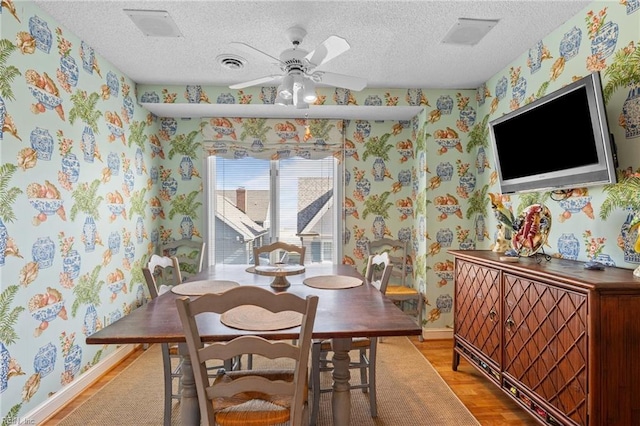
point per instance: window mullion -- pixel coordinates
(274, 185)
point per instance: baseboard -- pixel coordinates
(77, 386)
(437, 333)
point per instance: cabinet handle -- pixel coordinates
(510, 323)
(492, 314)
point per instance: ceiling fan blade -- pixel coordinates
(250, 49)
(340, 80)
(329, 49)
(255, 82)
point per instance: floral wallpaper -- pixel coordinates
(91, 182)
(592, 223)
(78, 176)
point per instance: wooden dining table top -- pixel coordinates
(360, 311)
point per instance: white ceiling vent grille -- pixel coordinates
(469, 31)
(154, 23)
(232, 62)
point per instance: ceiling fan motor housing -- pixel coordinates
(293, 60)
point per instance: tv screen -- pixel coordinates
(559, 141)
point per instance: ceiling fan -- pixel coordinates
(300, 69)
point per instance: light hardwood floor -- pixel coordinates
(488, 404)
(484, 400)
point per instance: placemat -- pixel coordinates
(255, 318)
(332, 281)
(198, 288)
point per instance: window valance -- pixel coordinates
(271, 138)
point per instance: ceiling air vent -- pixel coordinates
(232, 62)
(469, 31)
(154, 23)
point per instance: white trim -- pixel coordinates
(437, 333)
(338, 204)
(65, 395)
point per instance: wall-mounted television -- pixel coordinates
(559, 141)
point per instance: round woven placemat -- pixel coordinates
(255, 318)
(332, 281)
(198, 288)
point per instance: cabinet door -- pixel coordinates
(477, 307)
(545, 343)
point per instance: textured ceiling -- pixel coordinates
(393, 44)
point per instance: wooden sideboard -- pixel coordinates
(562, 341)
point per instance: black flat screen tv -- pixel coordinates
(559, 141)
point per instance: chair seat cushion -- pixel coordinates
(253, 408)
(173, 349)
(400, 290)
(252, 412)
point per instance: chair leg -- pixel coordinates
(314, 382)
(363, 369)
(420, 307)
(168, 383)
(373, 406)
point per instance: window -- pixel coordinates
(257, 201)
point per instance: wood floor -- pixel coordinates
(489, 405)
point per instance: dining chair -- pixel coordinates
(250, 397)
(159, 273)
(282, 252)
(378, 272)
(190, 255)
(407, 297)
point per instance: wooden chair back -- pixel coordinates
(278, 246)
(190, 254)
(161, 271)
(379, 270)
(397, 251)
(251, 381)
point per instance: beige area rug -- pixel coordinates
(410, 392)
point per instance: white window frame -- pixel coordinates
(209, 206)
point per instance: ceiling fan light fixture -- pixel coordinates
(282, 93)
(309, 91)
(298, 92)
(285, 90)
(281, 101)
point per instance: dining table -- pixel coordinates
(344, 312)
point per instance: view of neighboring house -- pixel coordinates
(252, 202)
(235, 232)
(316, 225)
(242, 222)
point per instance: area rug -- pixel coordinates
(410, 392)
